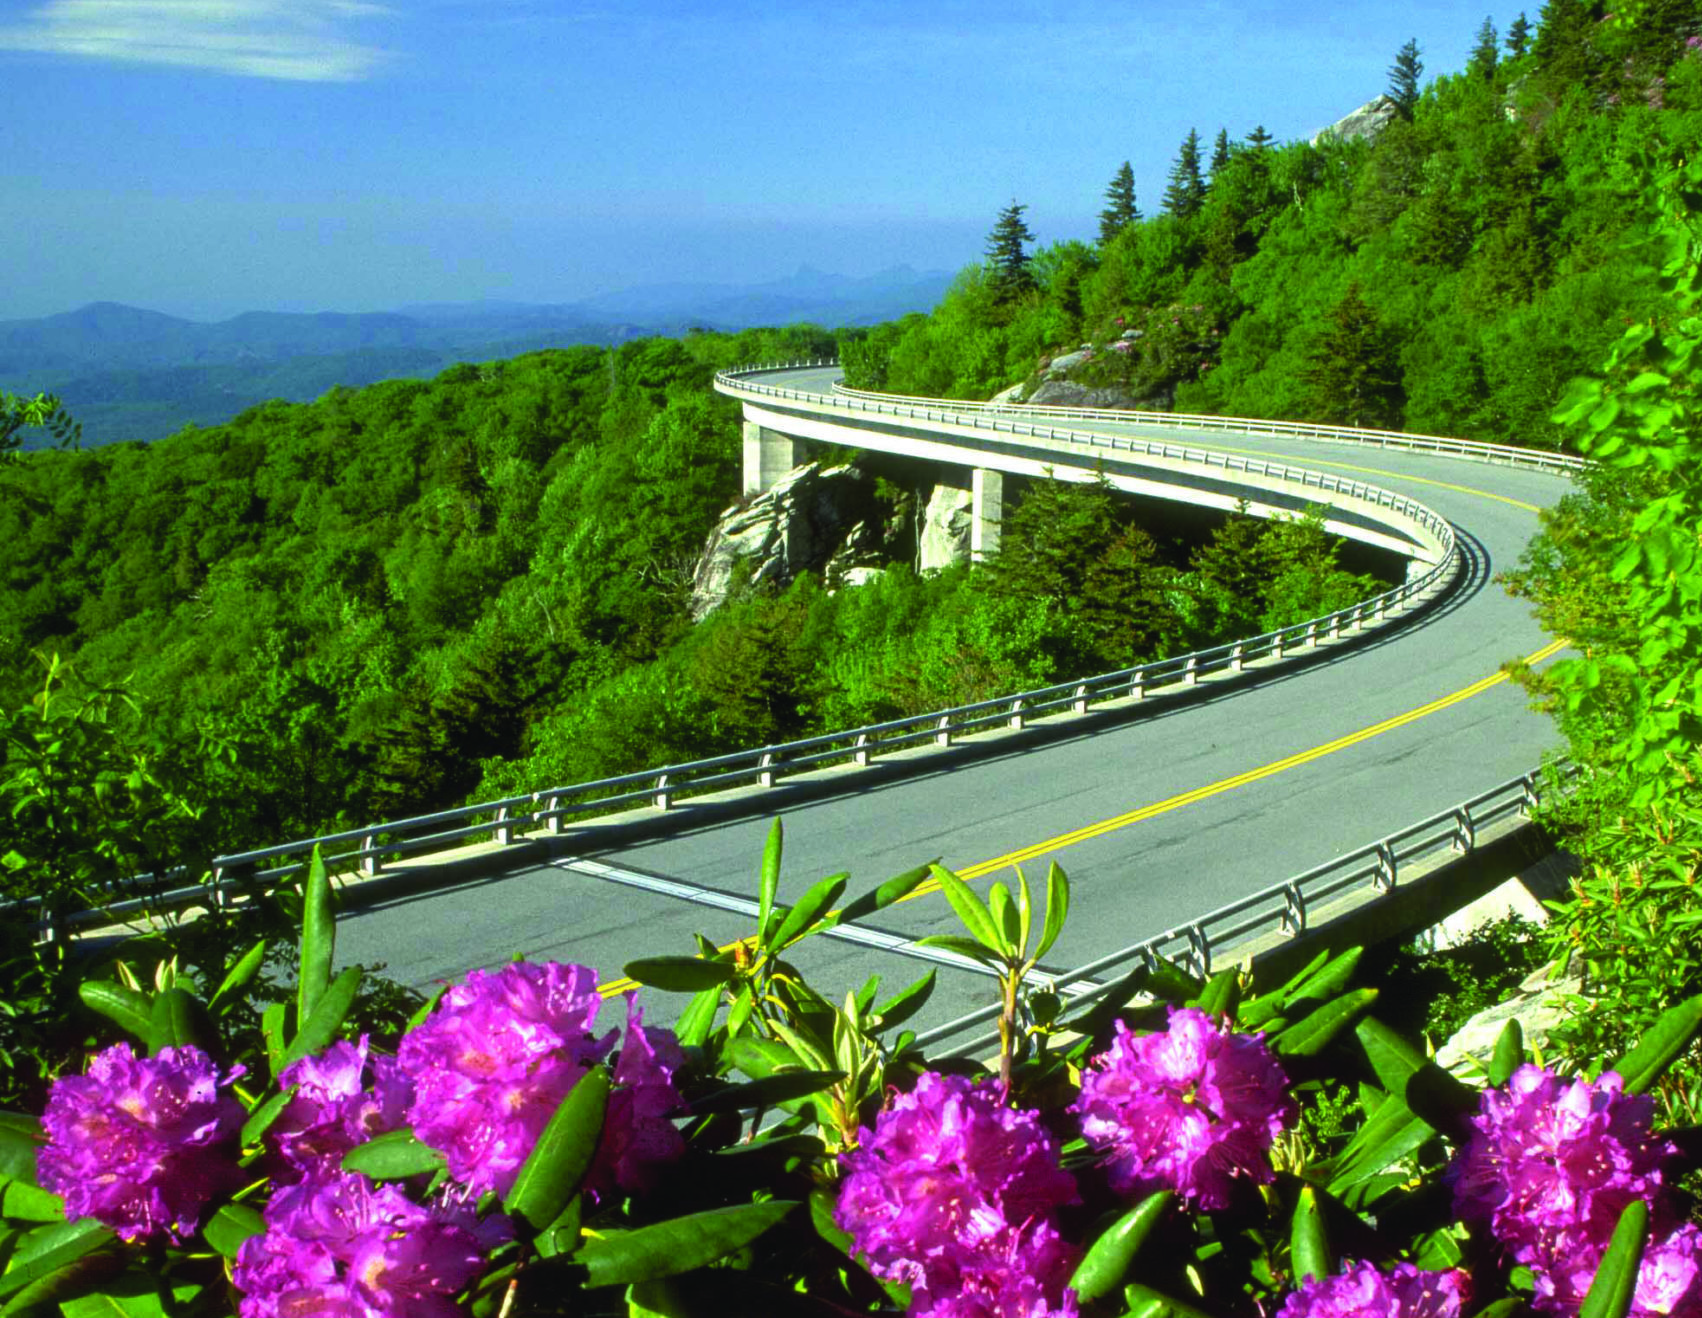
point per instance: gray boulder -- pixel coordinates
(1364, 124)
(1067, 393)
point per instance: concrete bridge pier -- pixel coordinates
(987, 513)
(769, 455)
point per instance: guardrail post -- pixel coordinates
(1385, 866)
(861, 754)
(1199, 951)
(1311, 641)
(1528, 798)
(942, 731)
(1237, 659)
(1293, 910)
(49, 927)
(1137, 685)
(550, 807)
(1191, 674)
(1465, 832)
(504, 826)
(1335, 626)
(663, 797)
(1016, 714)
(370, 863)
(766, 767)
(1079, 703)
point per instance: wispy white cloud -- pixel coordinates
(293, 40)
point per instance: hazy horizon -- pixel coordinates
(204, 159)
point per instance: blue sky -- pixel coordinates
(204, 157)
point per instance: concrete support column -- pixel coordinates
(987, 513)
(769, 455)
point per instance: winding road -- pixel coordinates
(1155, 819)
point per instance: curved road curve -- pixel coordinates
(1156, 820)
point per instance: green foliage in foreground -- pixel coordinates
(779, 1081)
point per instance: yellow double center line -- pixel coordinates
(1104, 826)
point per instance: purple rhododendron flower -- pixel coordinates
(638, 1136)
(494, 1060)
(338, 1244)
(952, 1193)
(1549, 1168)
(1189, 1110)
(1361, 1291)
(135, 1142)
(333, 1110)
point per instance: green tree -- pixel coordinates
(1484, 51)
(1518, 36)
(1259, 140)
(1120, 209)
(1353, 371)
(1404, 75)
(1186, 192)
(1007, 257)
(1219, 154)
(18, 413)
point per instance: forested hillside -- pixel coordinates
(1449, 276)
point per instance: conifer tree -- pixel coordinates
(1259, 139)
(1187, 190)
(1354, 373)
(1120, 209)
(1007, 259)
(1404, 74)
(1219, 153)
(1484, 53)
(1519, 36)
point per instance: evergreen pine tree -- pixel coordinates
(1355, 375)
(1120, 209)
(1565, 45)
(1259, 139)
(1519, 36)
(1187, 190)
(1219, 153)
(1404, 74)
(1484, 53)
(1007, 259)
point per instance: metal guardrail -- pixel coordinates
(1286, 908)
(367, 849)
(1503, 454)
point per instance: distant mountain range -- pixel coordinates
(129, 373)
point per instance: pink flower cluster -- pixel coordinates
(1549, 1168)
(1359, 1290)
(1190, 1109)
(952, 1194)
(333, 1109)
(138, 1142)
(496, 1057)
(337, 1244)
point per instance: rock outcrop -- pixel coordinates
(1364, 124)
(798, 525)
(1067, 393)
(944, 540)
(1538, 1005)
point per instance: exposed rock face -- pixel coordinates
(945, 529)
(1067, 393)
(1366, 123)
(1006, 396)
(797, 525)
(1538, 1006)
